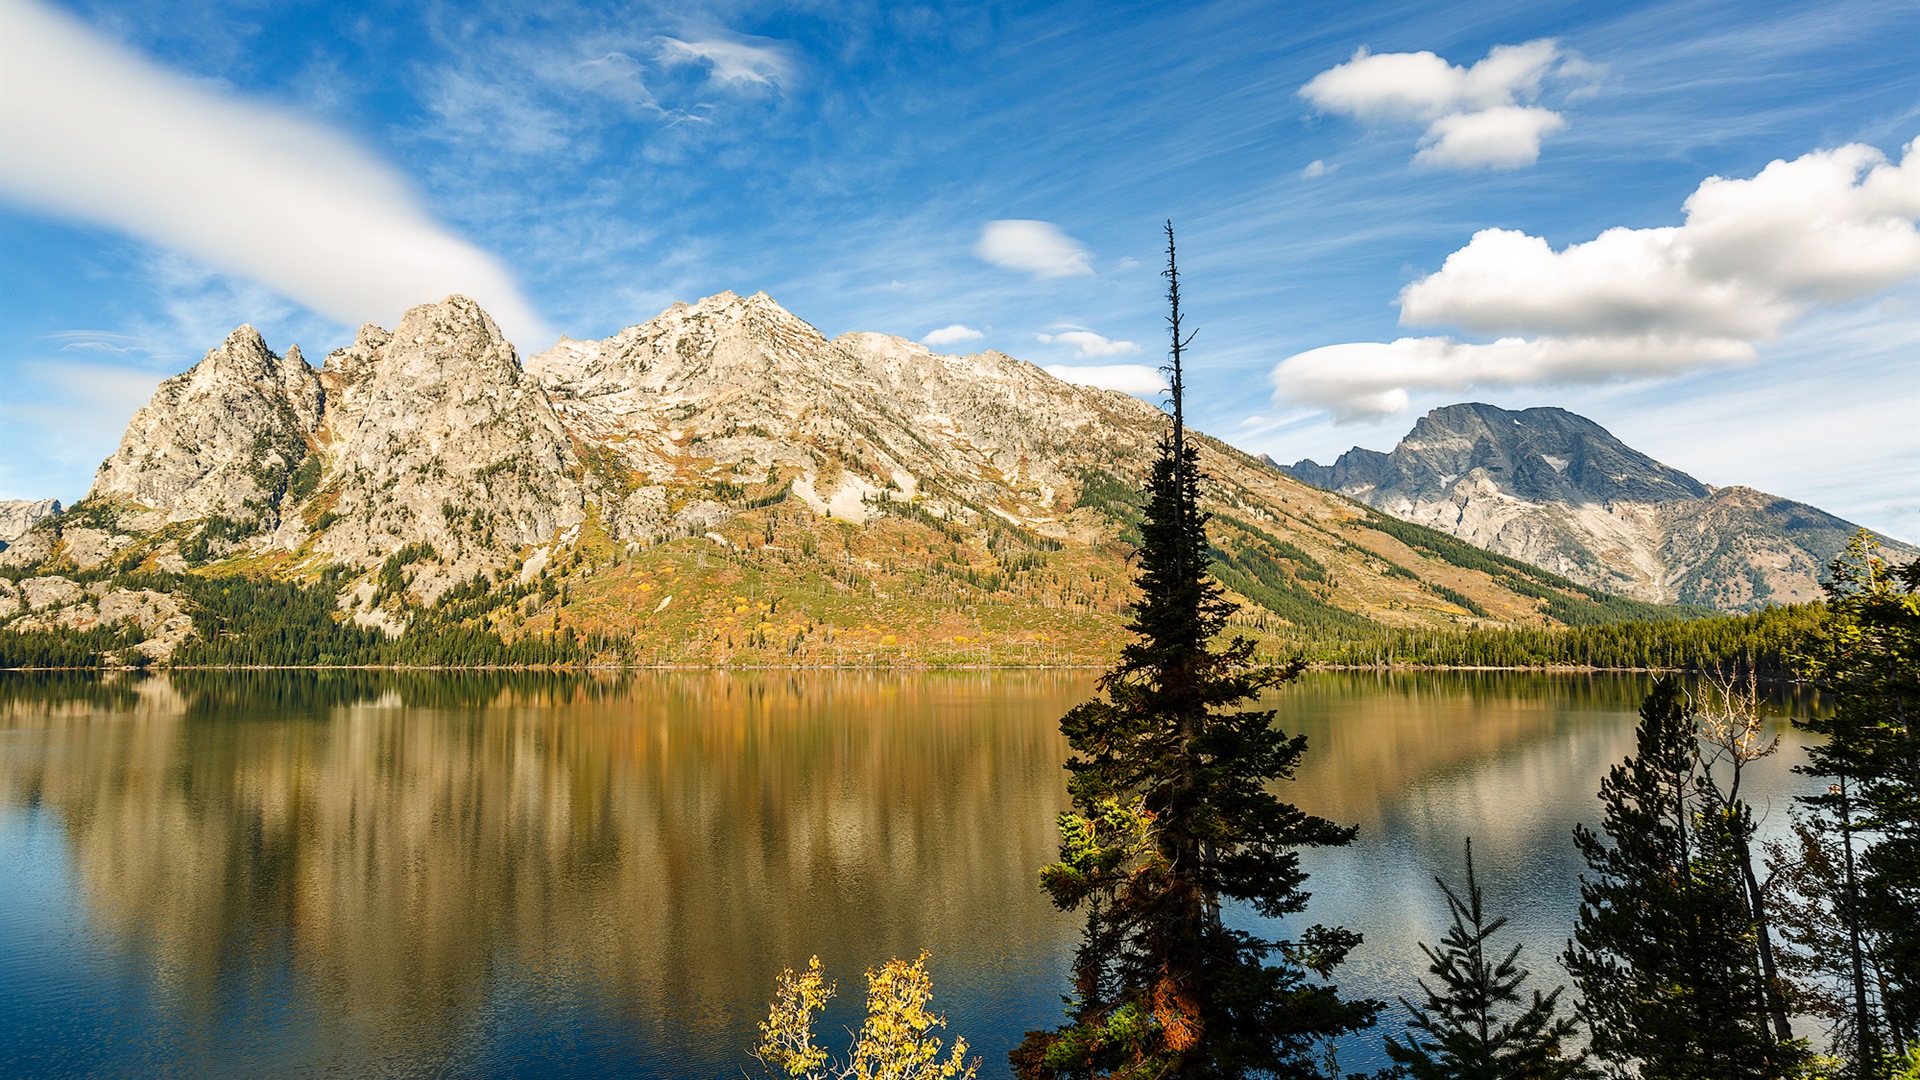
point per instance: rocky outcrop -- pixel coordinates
(429, 435)
(220, 440)
(752, 392)
(1559, 491)
(19, 515)
(439, 438)
(53, 602)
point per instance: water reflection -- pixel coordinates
(396, 852)
(433, 874)
(1420, 762)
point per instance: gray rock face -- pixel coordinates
(19, 515)
(1559, 491)
(732, 420)
(440, 438)
(430, 434)
(750, 392)
(220, 439)
(53, 590)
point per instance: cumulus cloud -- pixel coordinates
(951, 335)
(1034, 247)
(742, 62)
(1475, 116)
(1752, 256)
(1316, 169)
(1088, 344)
(97, 133)
(1503, 137)
(1140, 380)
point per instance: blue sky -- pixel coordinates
(1000, 173)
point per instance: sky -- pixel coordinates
(1693, 222)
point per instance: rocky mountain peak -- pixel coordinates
(722, 344)
(1560, 491)
(440, 438)
(1539, 454)
(218, 439)
(349, 366)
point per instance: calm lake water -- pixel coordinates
(297, 874)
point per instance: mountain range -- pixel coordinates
(1561, 492)
(719, 484)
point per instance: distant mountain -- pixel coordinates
(1559, 491)
(720, 484)
(19, 515)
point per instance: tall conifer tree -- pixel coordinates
(1664, 954)
(1868, 658)
(1173, 818)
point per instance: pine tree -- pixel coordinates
(1461, 1035)
(1173, 818)
(1664, 954)
(1868, 659)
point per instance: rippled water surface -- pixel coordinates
(297, 874)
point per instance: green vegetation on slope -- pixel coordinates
(1564, 601)
(1765, 640)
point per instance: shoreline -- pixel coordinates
(585, 669)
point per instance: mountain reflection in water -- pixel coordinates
(456, 874)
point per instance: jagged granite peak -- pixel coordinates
(1556, 489)
(441, 438)
(220, 438)
(751, 387)
(689, 348)
(19, 515)
(1543, 454)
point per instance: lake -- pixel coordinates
(413, 874)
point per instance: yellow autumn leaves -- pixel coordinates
(897, 1041)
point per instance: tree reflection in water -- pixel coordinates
(436, 874)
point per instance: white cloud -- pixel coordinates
(1753, 256)
(1088, 344)
(1503, 137)
(1421, 86)
(740, 61)
(1140, 380)
(1317, 168)
(1034, 247)
(952, 335)
(97, 133)
(1475, 116)
(1366, 378)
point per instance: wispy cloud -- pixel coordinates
(97, 133)
(1034, 247)
(67, 411)
(1753, 256)
(1475, 116)
(951, 335)
(105, 341)
(738, 61)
